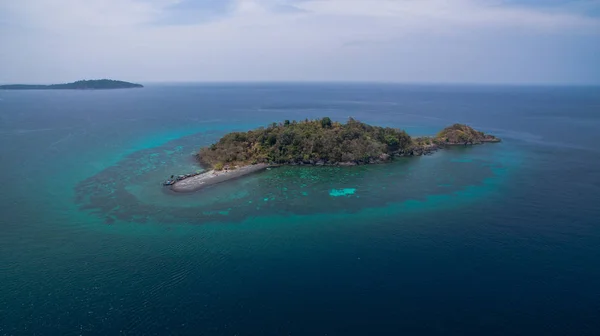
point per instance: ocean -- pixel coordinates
(497, 239)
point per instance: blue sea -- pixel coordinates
(497, 239)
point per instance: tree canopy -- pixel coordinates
(308, 141)
(463, 134)
(323, 141)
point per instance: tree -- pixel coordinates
(392, 141)
(326, 122)
(319, 139)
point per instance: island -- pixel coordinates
(459, 134)
(95, 84)
(320, 142)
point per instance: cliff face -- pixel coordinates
(459, 134)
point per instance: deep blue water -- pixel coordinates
(499, 239)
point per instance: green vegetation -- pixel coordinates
(219, 166)
(98, 84)
(463, 134)
(308, 142)
(325, 142)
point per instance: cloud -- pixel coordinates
(190, 12)
(111, 13)
(443, 13)
(387, 40)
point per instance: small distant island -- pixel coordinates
(94, 84)
(315, 142)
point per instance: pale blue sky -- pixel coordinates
(413, 41)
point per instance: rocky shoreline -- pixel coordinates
(383, 158)
(195, 182)
(293, 144)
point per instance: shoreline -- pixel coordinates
(455, 144)
(211, 177)
(197, 182)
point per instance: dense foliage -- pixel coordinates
(311, 141)
(463, 134)
(97, 84)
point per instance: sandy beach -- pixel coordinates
(211, 177)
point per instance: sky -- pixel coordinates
(407, 41)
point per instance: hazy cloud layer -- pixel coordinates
(493, 41)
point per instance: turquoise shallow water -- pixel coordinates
(495, 239)
(129, 190)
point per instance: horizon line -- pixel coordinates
(414, 83)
